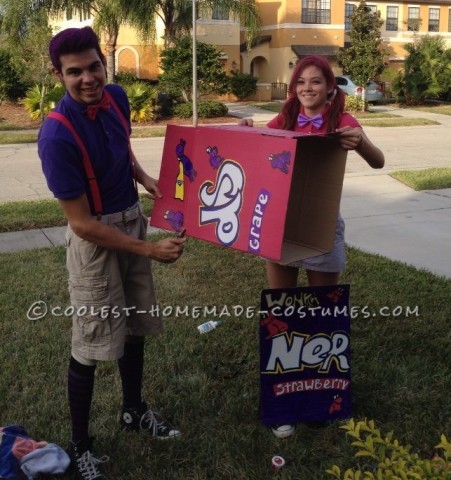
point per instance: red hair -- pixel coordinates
(291, 107)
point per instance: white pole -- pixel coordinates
(194, 67)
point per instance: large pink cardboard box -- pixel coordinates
(267, 192)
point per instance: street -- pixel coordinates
(382, 215)
(404, 148)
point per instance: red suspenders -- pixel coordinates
(87, 164)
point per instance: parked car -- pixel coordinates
(373, 91)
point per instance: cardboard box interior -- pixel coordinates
(314, 201)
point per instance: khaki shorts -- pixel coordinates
(111, 291)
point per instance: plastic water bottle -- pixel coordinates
(208, 326)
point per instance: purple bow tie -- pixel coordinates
(317, 121)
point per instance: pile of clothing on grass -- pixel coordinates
(21, 457)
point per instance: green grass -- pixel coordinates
(368, 118)
(32, 137)
(144, 132)
(427, 179)
(21, 137)
(395, 122)
(271, 106)
(442, 109)
(209, 384)
(5, 127)
(27, 215)
(375, 119)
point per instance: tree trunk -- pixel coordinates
(363, 98)
(186, 96)
(110, 48)
(41, 102)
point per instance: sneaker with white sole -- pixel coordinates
(283, 431)
(86, 466)
(141, 418)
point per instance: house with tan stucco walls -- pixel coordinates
(290, 30)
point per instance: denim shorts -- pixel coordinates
(334, 261)
(111, 291)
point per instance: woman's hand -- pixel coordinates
(246, 122)
(350, 138)
(354, 138)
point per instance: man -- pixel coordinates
(89, 166)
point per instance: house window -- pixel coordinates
(315, 11)
(413, 20)
(349, 10)
(391, 23)
(220, 12)
(434, 18)
(373, 8)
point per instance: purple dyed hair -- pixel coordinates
(291, 107)
(73, 40)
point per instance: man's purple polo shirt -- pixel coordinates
(107, 145)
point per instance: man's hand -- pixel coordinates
(151, 185)
(167, 250)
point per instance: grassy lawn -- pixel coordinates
(7, 138)
(30, 137)
(394, 121)
(376, 119)
(427, 179)
(28, 215)
(369, 118)
(209, 384)
(442, 109)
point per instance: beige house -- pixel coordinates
(290, 30)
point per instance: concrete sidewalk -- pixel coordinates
(382, 215)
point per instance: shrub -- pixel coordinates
(164, 104)
(12, 86)
(142, 101)
(211, 109)
(176, 63)
(183, 110)
(207, 109)
(45, 98)
(125, 78)
(243, 85)
(354, 103)
(386, 459)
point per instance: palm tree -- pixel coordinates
(108, 18)
(141, 14)
(109, 15)
(176, 15)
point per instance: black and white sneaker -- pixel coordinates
(141, 418)
(83, 461)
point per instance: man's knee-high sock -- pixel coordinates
(131, 370)
(80, 387)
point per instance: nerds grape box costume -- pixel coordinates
(268, 192)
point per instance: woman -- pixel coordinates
(315, 104)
